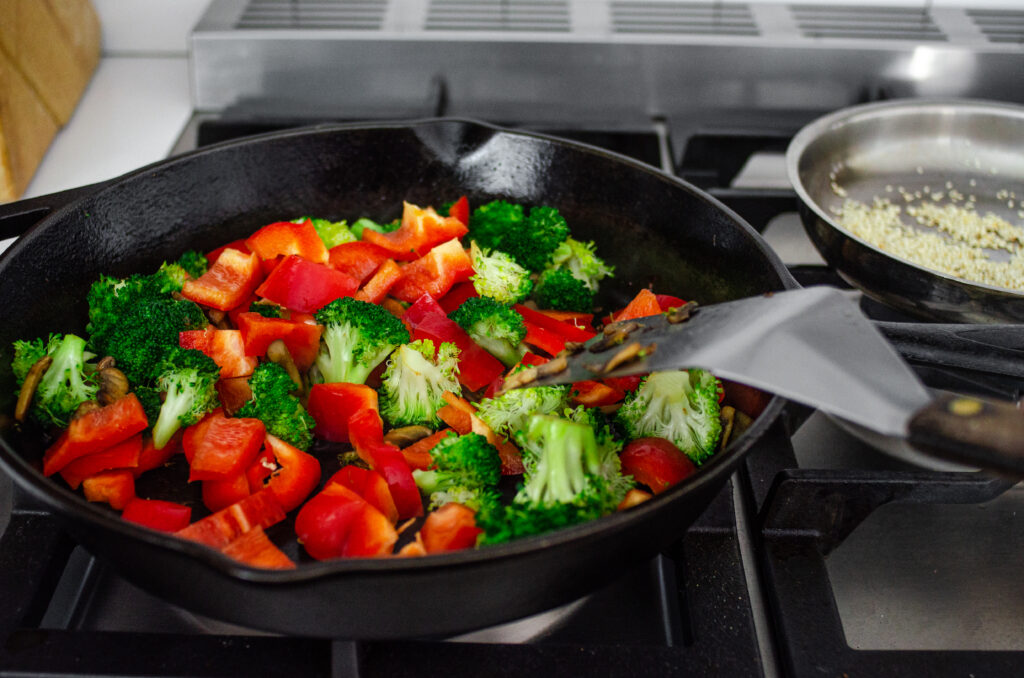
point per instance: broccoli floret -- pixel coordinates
(498, 328)
(490, 223)
(533, 245)
(364, 223)
(679, 406)
(498, 276)
(572, 476)
(151, 399)
(194, 262)
(108, 298)
(357, 336)
(413, 385)
(461, 466)
(188, 378)
(274, 403)
(509, 412)
(266, 310)
(67, 382)
(27, 354)
(331, 232)
(581, 261)
(558, 289)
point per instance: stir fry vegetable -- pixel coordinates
(378, 350)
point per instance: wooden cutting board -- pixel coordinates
(49, 50)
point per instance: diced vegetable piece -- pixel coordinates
(116, 488)
(655, 462)
(643, 304)
(417, 455)
(238, 245)
(567, 330)
(297, 476)
(477, 367)
(460, 210)
(218, 494)
(435, 273)
(545, 340)
(96, 430)
(337, 523)
(421, 229)
(122, 455)
(221, 528)
(227, 448)
(455, 298)
(306, 286)
(302, 338)
(231, 279)
(151, 457)
(255, 548)
(369, 485)
(332, 405)
(358, 259)
(377, 287)
(595, 393)
(287, 238)
(225, 347)
(667, 301)
(366, 432)
(156, 514)
(450, 528)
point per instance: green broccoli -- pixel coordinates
(357, 336)
(461, 466)
(533, 245)
(274, 403)
(414, 383)
(490, 223)
(679, 406)
(558, 289)
(572, 476)
(498, 328)
(189, 265)
(331, 232)
(506, 414)
(151, 399)
(266, 310)
(65, 385)
(137, 323)
(188, 378)
(194, 262)
(364, 223)
(581, 261)
(498, 276)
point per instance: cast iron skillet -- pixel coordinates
(654, 228)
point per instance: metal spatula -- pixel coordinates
(813, 346)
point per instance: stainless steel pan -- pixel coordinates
(874, 149)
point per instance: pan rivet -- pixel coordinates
(964, 407)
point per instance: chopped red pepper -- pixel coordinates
(238, 245)
(421, 229)
(435, 273)
(366, 432)
(286, 238)
(655, 462)
(477, 367)
(96, 430)
(332, 405)
(122, 455)
(337, 523)
(301, 338)
(667, 301)
(303, 285)
(225, 347)
(595, 393)
(221, 528)
(377, 287)
(218, 494)
(545, 340)
(460, 210)
(156, 514)
(450, 528)
(369, 485)
(297, 475)
(227, 448)
(358, 259)
(643, 304)
(567, 330)
(417, 455)
(255, 548)
(152, 457)
(233, 393)
(116, 488)
(458, 294)
(229, 281)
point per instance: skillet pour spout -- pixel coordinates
(655, 229)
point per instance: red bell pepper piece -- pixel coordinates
(369, 485)
(227, 448)
(477, 367)
(545, 340)
(435, 273)
(192, 435)
(366, 432)
(626, 384)
(337, 523)
(458, 294)
(655, 462)
(99, 429)
(297, 476)
(511, 457)
(567, 330)
(151, 457)
(286, 238)
(218, 494)
(460, 210)
(417, 455)
(421, 230)
(116, 488)
(157, 514)
(255, 548)
(595, 393)
(260, 469)
(225, 347)
(332, 405)
(122, 455)
(643, 304)
(306, 286)
(233, 393)
(667, 301)
(584, 321)
(377, 287)
(229, 281)
(357, 259)
(238, 245)
(221, 528)
(450, 528)
(302, 338)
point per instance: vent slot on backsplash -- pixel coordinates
(313, 14)
(866, 23)
(498, 15)
(999, 25)
(682, 18)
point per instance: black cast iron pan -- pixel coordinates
(654, 228)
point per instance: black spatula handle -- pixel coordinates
(982, 433)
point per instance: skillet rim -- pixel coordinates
(70, 506)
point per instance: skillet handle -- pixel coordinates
(992, 349)
(19, 216)
(982, 433)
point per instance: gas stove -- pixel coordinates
(822, 556)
